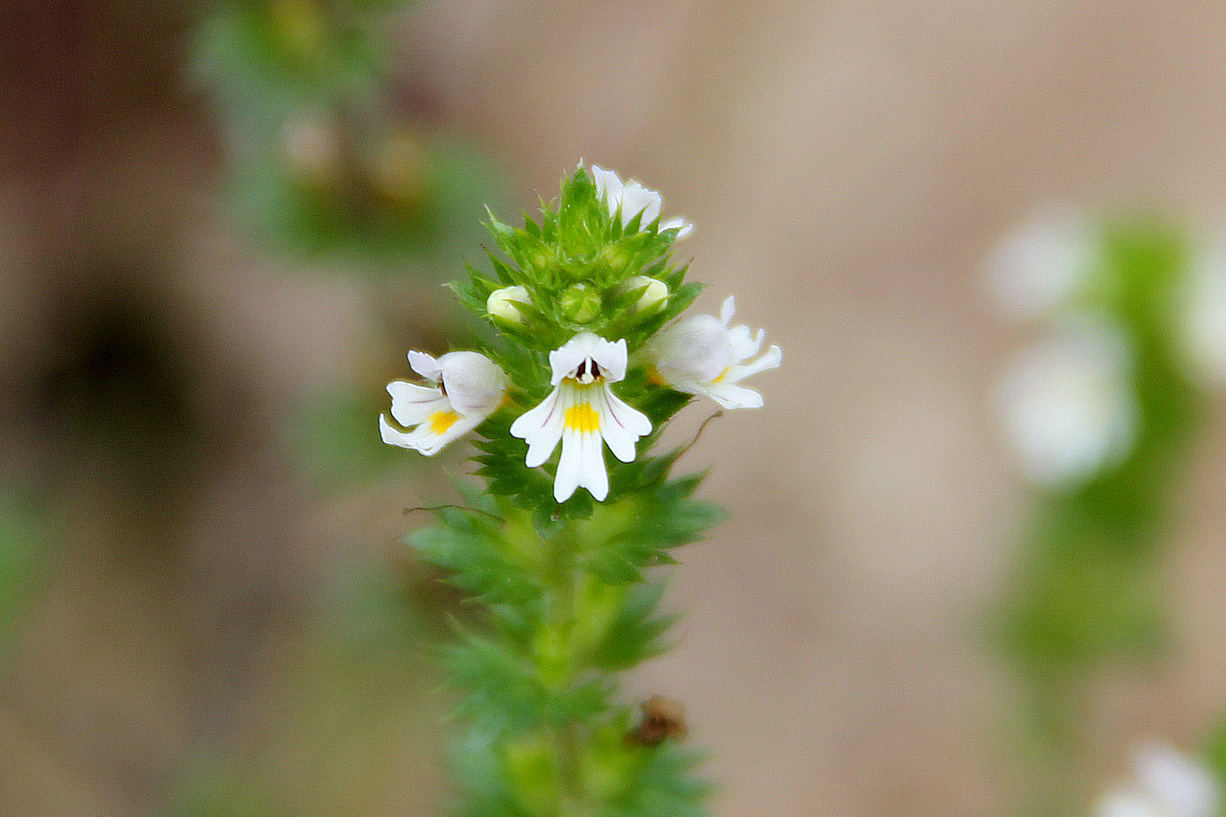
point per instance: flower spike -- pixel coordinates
(567, 584)
(703, 355)
(581, 411)
(465, 388)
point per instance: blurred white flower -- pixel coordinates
(701, 354)
(1067, 403)
(1042, 263)
(464, 388)
(1165, 783)
(1202, 314)
(631, 199)
(582, 411)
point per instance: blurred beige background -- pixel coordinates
(847, 164)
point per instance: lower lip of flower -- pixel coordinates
(582, 418)
(440, 421)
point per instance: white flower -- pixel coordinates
(1203, 314)
(465, 388)
(1041, 264)
(1165, 783)
(1067, 403)
(701, 354)
(501, 303)
(632, 199)
(581, 411)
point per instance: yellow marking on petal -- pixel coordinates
(722, 375)
(440, 421)
(653, 377)
(582, 418)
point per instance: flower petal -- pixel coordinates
(475, 384)
(696, 348)
(637, 200)
(1126, 803)
(621, 425)
(744, 345)
(683, 227)
(769, 360)
(541, 427)
(425, 365)
(610, 356)
(592, 473)
(608, 186)
(413, 403)
(567, 478)
(1180, 783)
(1068, 403)
(431, 436)
(732, 396)
(727, 309)
(566, 358)
(394, 436)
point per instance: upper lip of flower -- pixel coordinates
(608, 356)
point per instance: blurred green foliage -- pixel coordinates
(23, 546)
(335, 438)
(1087, 594)
(320, 158)
(351, 714)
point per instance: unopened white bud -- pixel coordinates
(656, 292)
(501, 303)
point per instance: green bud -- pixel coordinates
(501, 303)
(540, 259)
(655, 294)
(616, 257)
(580, 303)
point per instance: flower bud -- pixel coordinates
(501, 303)
(655, 294)
(580, 303)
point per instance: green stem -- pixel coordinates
(557, 661)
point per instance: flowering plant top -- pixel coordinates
(592, 353)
